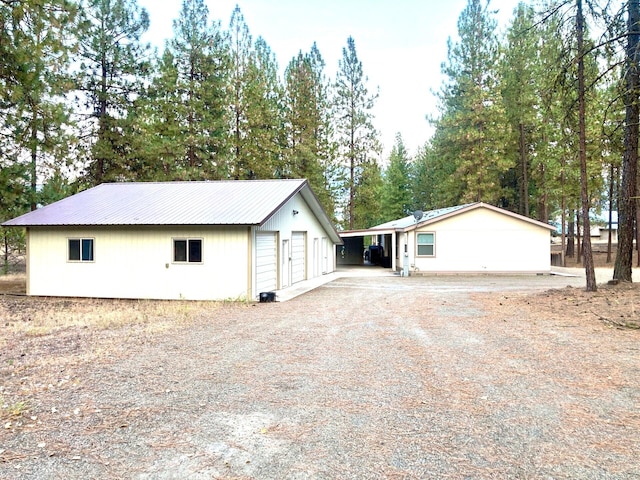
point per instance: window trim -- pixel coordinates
(187, 240)
(433, 244)
(81, 240)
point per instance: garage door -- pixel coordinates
(266, 262)
(297, 257)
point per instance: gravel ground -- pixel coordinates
(366, 378)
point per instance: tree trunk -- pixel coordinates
(578, 236)
(626, 199)
(571, 235)
(611, 174)
(34, 160)
(5, 268)
(524, 189)
(587, 254)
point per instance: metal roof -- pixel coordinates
(431, 216)
(410, 221)
(247, 202)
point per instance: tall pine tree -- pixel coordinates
(470, 134)
(113, 67)
(396, 199)
(310, 152)
(358, 145)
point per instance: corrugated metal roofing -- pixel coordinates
(410, 221)
(246, 202)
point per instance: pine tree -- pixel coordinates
(356, 137)
(470, 134)
(190, 94)
(240, 51)
(518, 78)
(396, 200)
(309, 152)
(368, 189)
(265, 136)
(628, 189)
(113, 65)
(35, 50)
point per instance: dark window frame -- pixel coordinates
(81, 250)
(189, 252)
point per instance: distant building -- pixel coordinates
(472, 238)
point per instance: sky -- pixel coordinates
(401, 44)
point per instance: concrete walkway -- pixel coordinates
(603, 275)
(308, 285)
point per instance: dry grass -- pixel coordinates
(46, 316)
(398, 379)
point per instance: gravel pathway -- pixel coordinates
(361, 378)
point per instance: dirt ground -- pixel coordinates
(442, 377)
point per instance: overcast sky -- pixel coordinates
(401, 44)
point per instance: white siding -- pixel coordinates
(137, 262)
(286, 223)
(482, 240)
(266, 262)
(298, 256)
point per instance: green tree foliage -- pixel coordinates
(628, 191)
(357, 140)
(36, 44)
(185, 112)
(366, 210)
(423, 171)
(519, 92)
(113, 66)
(470, 134)
(310, 152)
(240, 51)
(265, 137)
(396, 199)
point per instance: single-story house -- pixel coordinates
(472, 238)
(178, 240)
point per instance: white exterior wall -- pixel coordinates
(137, 263)
(285, 222)
(482, 240)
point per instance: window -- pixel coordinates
(187, 250)
(80, 250)
(426, 244)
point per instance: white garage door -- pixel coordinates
(297, 257)
(266, 262)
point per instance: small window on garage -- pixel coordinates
(426, 244)
(187, 250)
(80, 250)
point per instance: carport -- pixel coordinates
(352, 251)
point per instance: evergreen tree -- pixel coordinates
(240, 51)
(422, 173)
(518, 74)
(470, 134)
(396, 200)
(113, 65)
(187, 101)
(628, 189)
(35, 48)
(357, 141)
(309, 152)
(162, 143)
(368, 189)
(265, 136)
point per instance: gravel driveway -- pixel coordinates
(366, 378)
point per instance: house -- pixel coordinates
(178, 240)
(471, 238)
